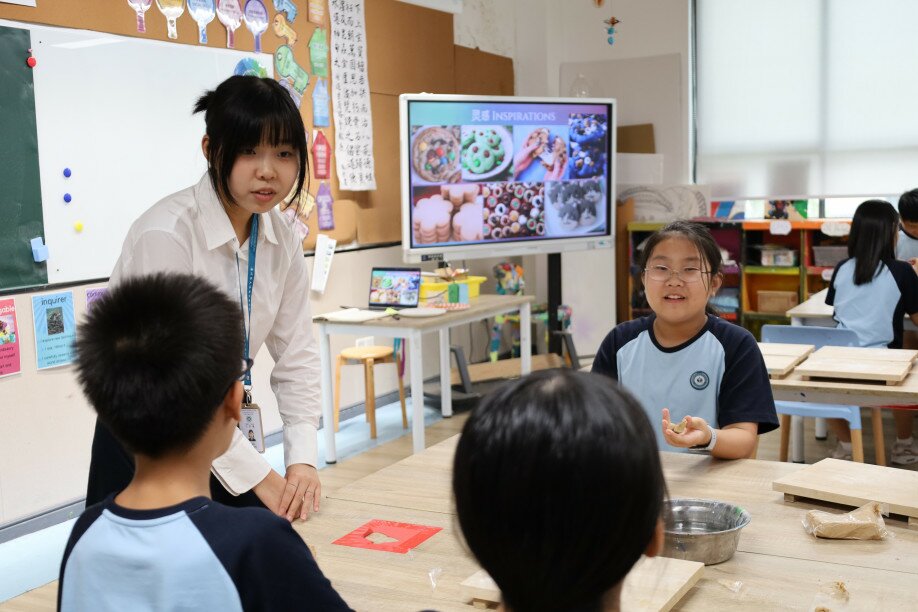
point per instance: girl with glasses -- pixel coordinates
(689, 368)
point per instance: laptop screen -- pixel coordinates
(395, 287)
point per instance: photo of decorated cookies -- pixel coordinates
(448, 213)
(541, 153)
(487, 152)
(587, 145)
(513, 210)
(575, 207)
(435, 154)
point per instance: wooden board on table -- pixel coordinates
(780, 348)
(866, 354)
(855, 484)
(890, 372)
(654, 584)
(507, 368)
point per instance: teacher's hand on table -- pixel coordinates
(697, 432)
(301, 492)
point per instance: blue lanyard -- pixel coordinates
(253, 245)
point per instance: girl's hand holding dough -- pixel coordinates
(691, 431)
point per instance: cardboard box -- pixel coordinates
(777, 302)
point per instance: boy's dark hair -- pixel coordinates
(156, 356)
(242, 113)
(871, 240)
(697, 234)
(558, 488)
(908, 205)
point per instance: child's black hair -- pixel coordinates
(908, 205)
(156, 356)
(242, 113)
(873, 228)
(697, 234)
(558, 488)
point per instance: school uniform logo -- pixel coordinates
(699, 380)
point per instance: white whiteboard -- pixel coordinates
(117, 112)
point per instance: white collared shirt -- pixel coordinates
(190, 232)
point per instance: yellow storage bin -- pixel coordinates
(434, 289)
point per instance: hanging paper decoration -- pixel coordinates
(230, 15)
(320, 115)
(317, 11)
(611, 22)
(294, 94)
(283, 30)
(287, 67)
(250, 67)
(203, 12)
(286, 6)
(325, 204)
(318, 53)
(256, 20)
(172, 9)
(321, 157)
(140, 7)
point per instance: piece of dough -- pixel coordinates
(680, 426)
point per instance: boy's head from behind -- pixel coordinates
(908, 211)
(157, 357)
(558, 489)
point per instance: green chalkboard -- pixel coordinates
(20, 187)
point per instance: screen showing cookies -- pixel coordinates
(395, 286)
(488, 172)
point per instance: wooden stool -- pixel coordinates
(368, 356)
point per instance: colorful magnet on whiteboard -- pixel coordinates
(287, 67)
(78, 226)
(203, 12)
(172, 10)
(67, 172)
(31, 62)
(230, 15)
(68, 198)
(286, 6)
(39, 250)
(256, 20)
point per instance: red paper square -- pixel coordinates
(407, 535)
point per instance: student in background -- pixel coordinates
(227, 229)
(907, 250)
(872, 291)
(684, 363)
(159, 358)
(559, 490)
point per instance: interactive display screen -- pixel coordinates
(495, 171)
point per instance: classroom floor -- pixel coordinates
(358, 457)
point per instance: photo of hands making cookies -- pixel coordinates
(575, 207)
(587, 145)
(541, 153)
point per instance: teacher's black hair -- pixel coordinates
(558, 488)
(155, 358)
(242, 113)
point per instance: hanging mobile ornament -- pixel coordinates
(230, 15)
(203, 12)
(611, 22)
(256, 20)
(140, 7)
(172, 9)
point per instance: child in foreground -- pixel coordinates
(559, 490)
(684, 363)
(160, 360)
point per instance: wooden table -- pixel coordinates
(412, 329)
(777, 564)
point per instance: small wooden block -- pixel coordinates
(854, 369)
(790, 498)
(866, 354)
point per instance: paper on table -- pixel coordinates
(350, 315)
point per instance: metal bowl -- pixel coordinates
(703, 530)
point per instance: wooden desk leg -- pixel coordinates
(785, 437)
(526, 339)
(328, 418)
(878, 443)
(370, 402)
(417, 390)
(446, 397)
(857, 445)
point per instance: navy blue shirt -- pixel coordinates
(197, 555)
(874, 310)
(719, 375)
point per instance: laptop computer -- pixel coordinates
(394, 288)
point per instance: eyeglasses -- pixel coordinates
(247, 364)
(661, 273)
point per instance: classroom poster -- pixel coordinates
(9, 339)
(351, 96)
(55, 329)
(94, 295)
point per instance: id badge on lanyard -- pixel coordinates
(250, 424)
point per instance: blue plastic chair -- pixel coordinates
(818, 336)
